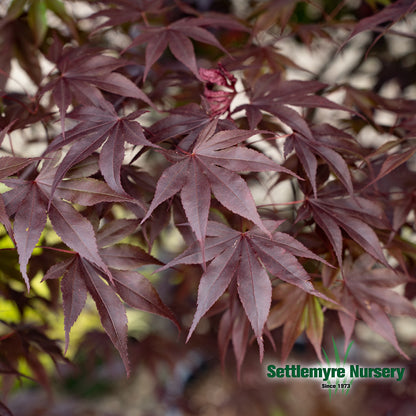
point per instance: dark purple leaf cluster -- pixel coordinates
(181, 125)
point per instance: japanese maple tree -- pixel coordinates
(145, 118)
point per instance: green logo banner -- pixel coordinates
(337, 375)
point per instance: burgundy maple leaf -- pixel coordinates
(273, 94)
(82, 73)
(80, 277)
(368, 292)
(323, 143)
(99, 126)
(245, 257)
(355, 215)
(28, 202)
(177, 36)
(211, 167)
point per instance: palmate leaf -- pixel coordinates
(210, 168)
(30, 202)
(307, 150)
(80, 277)
(244, 257)
(273, 94)
(367, 292)
(98, 126)
(177, 37)
(334, 214)
(82, 74)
